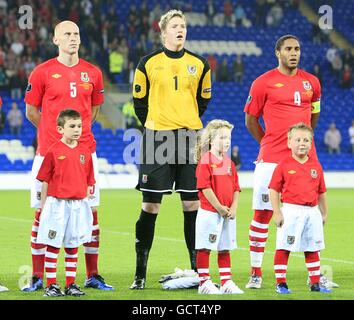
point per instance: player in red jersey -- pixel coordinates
(298, 182)
(59, 83)
(283, 97)
(218, 186)
(66, 174)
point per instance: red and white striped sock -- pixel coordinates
(281, 258)
(91, 249)
(70, 265)
(258, 235)
(50, 264)
(224, 264)
(37, 249)
(313, 266)
(203, 265)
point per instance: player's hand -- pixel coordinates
(278, 219)
(232, 214)
(324, 219)
(224, 211)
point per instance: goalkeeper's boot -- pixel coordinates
(35, 284)
(138, 284)
(142, 256)
(97, 282)
(316, 287)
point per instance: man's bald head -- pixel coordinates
(63, 25)
(67, 37)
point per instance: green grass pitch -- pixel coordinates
(117, 216)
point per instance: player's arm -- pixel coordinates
(204, 89)
(141, 86)
(211, 197)
(315, 103)
(33, 114)
(322, 203)
(254, 127)
(275, 200)
(234, 205)
(95, 112)
(44, 193)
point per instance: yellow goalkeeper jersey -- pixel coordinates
(171, 90)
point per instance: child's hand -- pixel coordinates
(224, 211)
(278, 218)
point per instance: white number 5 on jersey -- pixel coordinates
(73, 90)
(297, 98)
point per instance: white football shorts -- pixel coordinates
(214, 232)
(262, 176)
(65, 222)
(302, 229)
(36, 185)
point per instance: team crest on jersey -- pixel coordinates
(212, 237)
(313, 173)
(52, 234)
(290, 239)
(82, 158)
(191, 69)
(265, 197)
(144, 178)
(85, 77)
(307, 85)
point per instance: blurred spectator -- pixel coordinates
(238, 69)
(351, 136)
(317, 72)
(240, 15)
(260, 12)
(228, 10)
(337, 65)
(348, 59)
(222, 71)
(3, 79)
(274, 16)
(131, 120)
(346, 81)
(235, 157)
(2, 118)
(16, 86)
(15, 119)
(213, 66)
(210, 12)
(331, 53)
(116, 63)
(332, 139)
(316, 34)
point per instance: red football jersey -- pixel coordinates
(282, 101)
(68, 171)
(298, 183)
(220, 176)
(54, 87)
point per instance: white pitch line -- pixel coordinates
(181, 241)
